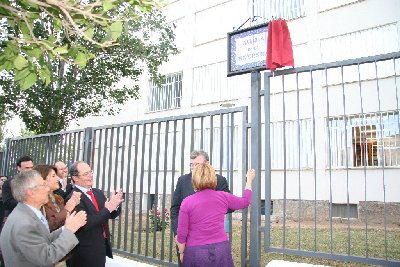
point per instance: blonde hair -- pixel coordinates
(204, 177)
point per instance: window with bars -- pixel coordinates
(167, 96)
(371, 140)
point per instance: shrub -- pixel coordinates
(156, 222)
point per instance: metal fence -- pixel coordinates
(335, 191)
(145, 159)
(324, 140)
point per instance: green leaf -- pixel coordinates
(116, 30)
(107, 5)
(24, 29)
(80, 60)
(28, 81)
(20, 62)
(57, 24)
(89, 32)
(62, 50)
(21, 74)
(45, 76)
(32, 51)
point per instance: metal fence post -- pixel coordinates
(255, 219)
(88, 145)
(5, 158)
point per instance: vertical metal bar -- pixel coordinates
(255, 234)
(164, 188)
(87, 156)
(121, 185)
(398, 107)
(141, 189)
(192, 130)
(5, 168)
(183, 147)
(383, 162)
(329, 163)
(299, 159)
(267, 161)
(149, 187)
(103, 176)
(79, 153)
(364, 140)
(156, 189)
(201, 132)
(211, 138)
(245, 161)
(74, 154)
(230, 162)
(221, 143)
(99, 157)
(284, 162)
(115, 178)
(347, 161)
(70, 147)
(171, 238)
(110, 159)
(134, 193)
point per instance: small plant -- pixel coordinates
(156, 222)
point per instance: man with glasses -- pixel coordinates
(94, 237)
(65, 184)
(26, 239)
(184, 188)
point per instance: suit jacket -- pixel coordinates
(183, 189)
(93, 248)
(26, 242)
(9, 201)
(67, 192)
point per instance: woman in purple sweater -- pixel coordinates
(201, 238)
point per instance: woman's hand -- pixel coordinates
(251, 174)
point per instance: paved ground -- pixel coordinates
(281, 263)
(123, 262)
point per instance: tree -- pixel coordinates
(75, 92)
(27, 56)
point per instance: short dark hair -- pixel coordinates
(73, 171)
(23, 159)
(195, 153)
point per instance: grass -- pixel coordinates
(146, 244)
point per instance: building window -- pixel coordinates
(371, 140)
(167, 96)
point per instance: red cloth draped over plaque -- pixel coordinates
(279, 45)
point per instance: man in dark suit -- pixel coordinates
(23, 164)
(65, 183)
(94, 238)
(184, 188)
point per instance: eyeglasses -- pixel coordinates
(86, 173)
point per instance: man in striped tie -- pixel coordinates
(94, 238)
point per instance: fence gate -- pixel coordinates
(332, 159)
